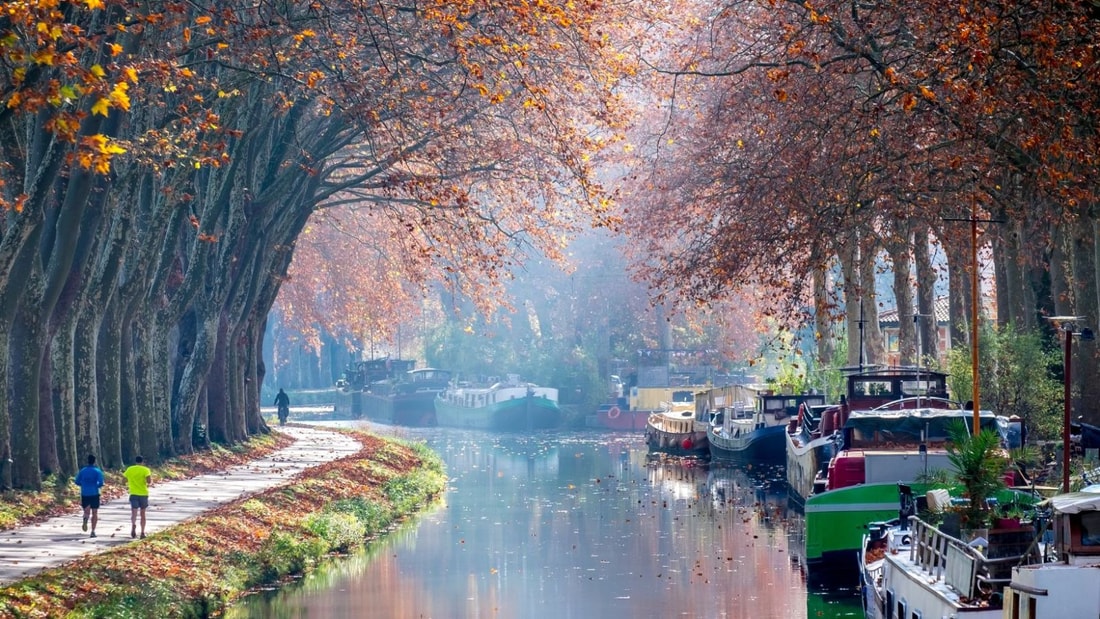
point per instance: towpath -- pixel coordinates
(27, 550)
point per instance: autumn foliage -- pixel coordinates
(793, 144)
(161, 161)
(200, 566)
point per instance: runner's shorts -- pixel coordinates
(137, 501)
(89, 501)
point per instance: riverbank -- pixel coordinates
(198, 567)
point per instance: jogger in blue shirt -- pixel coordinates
(90, 480)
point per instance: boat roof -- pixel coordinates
(868, 371)
(1075, 502)
(912, 422)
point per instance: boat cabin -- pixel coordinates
(888, 445)
(873, 388)
(1069, 586)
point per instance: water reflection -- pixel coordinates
(571, 525)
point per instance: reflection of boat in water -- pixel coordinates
(683, 479)
(760, 491)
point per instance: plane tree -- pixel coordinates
(853, 121)
(175, 153)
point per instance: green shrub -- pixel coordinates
(342, 531)
(284, 553)
(373, 516)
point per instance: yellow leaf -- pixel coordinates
(116, 49)
(98, 71)
(101, 107)
(202, 19)
(93, 4)
(131, 74)
(119, 97)
(44, 57)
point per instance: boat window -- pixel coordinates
(903, 607)
(1090, 529)
(889, 604)
(920, 387)
(918, 614)
(872, 388)
(683, 396)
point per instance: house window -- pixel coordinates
(892, 342)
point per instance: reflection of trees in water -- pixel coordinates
(375, 559)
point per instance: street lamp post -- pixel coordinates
(1070, 329)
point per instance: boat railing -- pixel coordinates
(874, 574)
(943, 557)
(961, 566)
(928, 401)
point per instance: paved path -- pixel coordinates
(28, 550)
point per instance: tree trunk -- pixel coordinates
(823, 320)
(848, 253)
(1085, 291)
(109, 388)
(26, 356)
(192, 380)
(59, 380)
(874, 341)
(254, 422)
(928, 327)
(898, 250)
(217, 386)
(1061, 292)
(87, 387)
(958, 285)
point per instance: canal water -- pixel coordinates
(572, 525)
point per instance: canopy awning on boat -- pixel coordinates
(1074, 502)
(909, 424)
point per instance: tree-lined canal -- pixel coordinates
(572, 525)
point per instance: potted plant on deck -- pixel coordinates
(979, 463)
